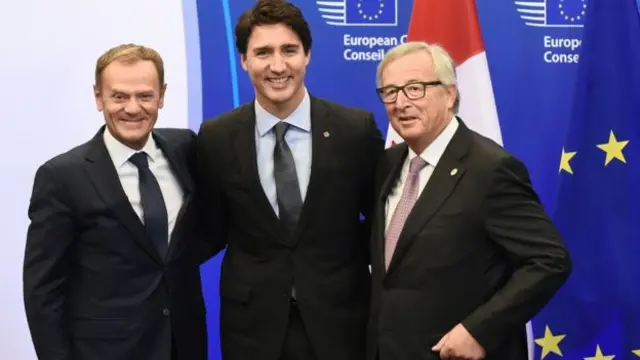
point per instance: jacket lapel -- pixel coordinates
(443, 180)
(177, 162)
(102, 173)
(321, 141)
(180, 169)
(244, 145)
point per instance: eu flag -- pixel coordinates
(566, 12)
(371, 12)
(596, 315)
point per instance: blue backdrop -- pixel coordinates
(531, 49)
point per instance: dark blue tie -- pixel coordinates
(287, 187)
(155, 213)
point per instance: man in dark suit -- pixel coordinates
(285, 181)
(463, 254)
(110, 270)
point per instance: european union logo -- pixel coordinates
(359, 12)
(553, 13)
(596, 315)
(566, 12)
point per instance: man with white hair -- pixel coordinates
(463, 254)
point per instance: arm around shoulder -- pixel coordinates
(517, 223)
(47, 265)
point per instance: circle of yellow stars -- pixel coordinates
(366, 16)
(613, 150)
(550, 343)
(571, 18)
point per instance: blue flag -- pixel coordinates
(596, 315)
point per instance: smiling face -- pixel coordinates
(130, 95)
(421, 120)
(276, 63)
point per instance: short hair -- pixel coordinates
(129, 54)
(444, 65)
(269, 12)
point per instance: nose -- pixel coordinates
(402, 101)
(132, 106)
(278, 64)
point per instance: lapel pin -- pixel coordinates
(454, 171)
(326, 134)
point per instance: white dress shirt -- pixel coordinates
(159, 166)
(431, 155)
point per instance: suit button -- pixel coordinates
(166, 312)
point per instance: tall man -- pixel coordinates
(109, 269)
(285, 180)
(463, 254)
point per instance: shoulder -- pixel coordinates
(226, 120)
(353, 121)
(348, 113)
(71, 158)
(67, 165)
(490, 158)
(176, 136)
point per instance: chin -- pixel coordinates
(410, 134)
(280, 96)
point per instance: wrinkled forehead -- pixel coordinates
(416, 66)
(131, 77)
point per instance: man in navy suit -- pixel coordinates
(109, 268)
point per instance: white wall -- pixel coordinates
(48, 51)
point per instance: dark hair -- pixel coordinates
(268, 12)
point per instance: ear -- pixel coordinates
(243, 61)
(307, 58)
(163, 90)
(98, 97)
(452, 92)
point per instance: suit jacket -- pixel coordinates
(477, 249)
(326, 259)
(95, 286)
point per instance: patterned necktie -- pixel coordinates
(155, 212)
(287, 187)
(402, 211)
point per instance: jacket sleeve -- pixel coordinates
(517, 223)
(46, 266)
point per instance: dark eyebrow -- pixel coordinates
(262, 48)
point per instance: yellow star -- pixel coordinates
(564, 161)
(613, 149)
(549, 342)
(599, 356)
(636, 352)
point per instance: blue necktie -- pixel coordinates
(287, 187)
(155, 212)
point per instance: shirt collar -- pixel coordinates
(120, 153)
(433, 152)
(300, 117)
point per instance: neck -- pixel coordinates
(284, 109)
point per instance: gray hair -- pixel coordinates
(444, 66)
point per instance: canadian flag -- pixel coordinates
(454, 25)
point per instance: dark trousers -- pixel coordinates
(297, 345)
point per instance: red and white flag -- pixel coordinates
(454, 25)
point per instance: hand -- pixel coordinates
(459, 344)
